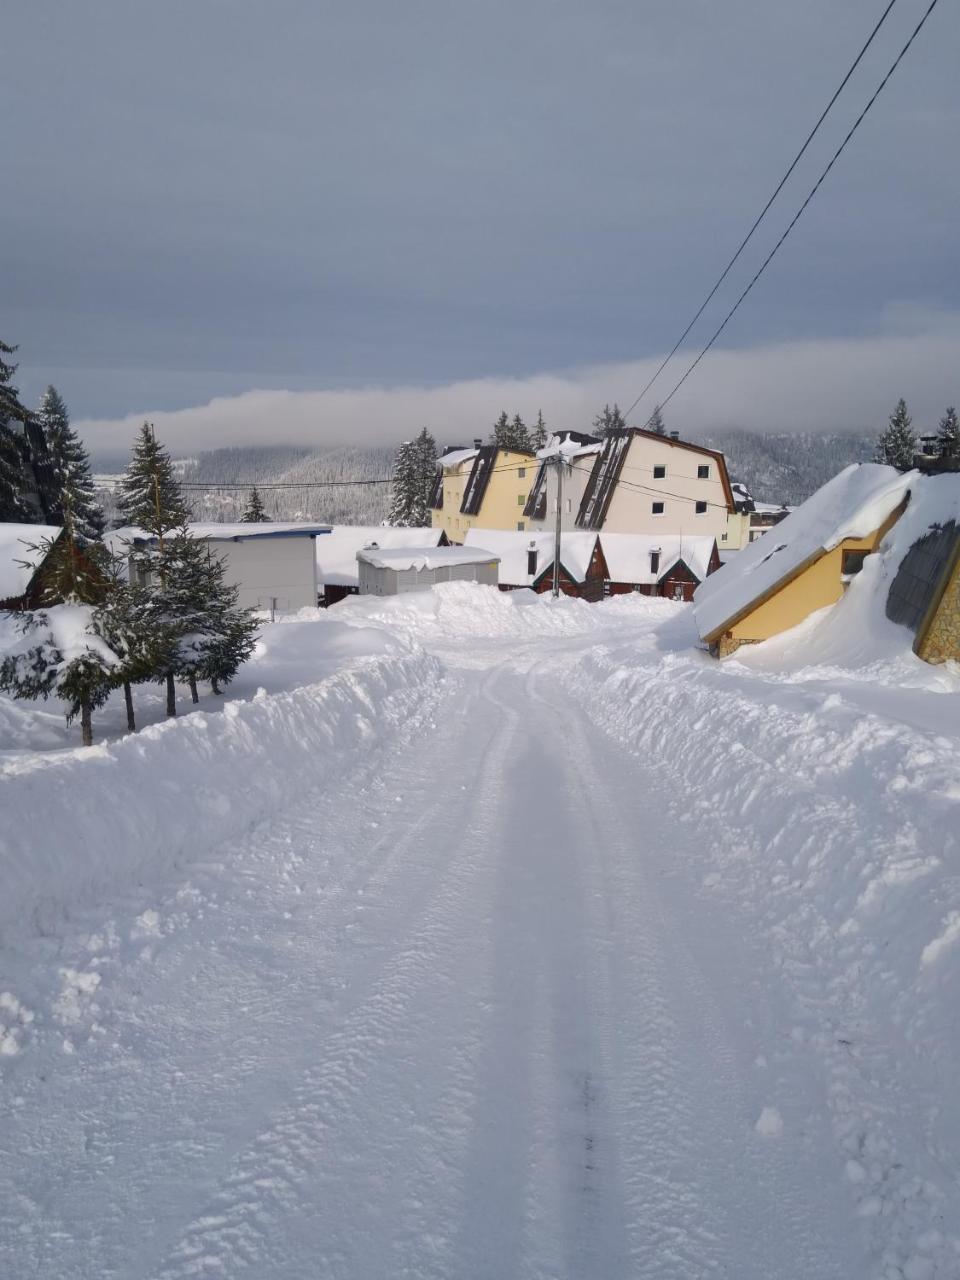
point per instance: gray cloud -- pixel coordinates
(836, 384)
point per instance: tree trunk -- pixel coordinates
(214, 685)
(194, 696)
(86, 727)
(128, 703)
(171, 696)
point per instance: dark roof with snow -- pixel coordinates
(922, 577)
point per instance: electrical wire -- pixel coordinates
(796, 217)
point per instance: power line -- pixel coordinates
(813, 191)
(198, 485)
(657, 493)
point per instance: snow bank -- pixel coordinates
(469, 610)
(829, 828)
(178, 787)
(853, 504)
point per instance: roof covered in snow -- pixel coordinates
(424, 557)
(15, 549)
(854, 504)
(456, 456)
(337, 551)
(512, 548)
(224, 532)
(628, 555)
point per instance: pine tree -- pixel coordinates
(509, 434)
(195, 605)
(60, 653)
(404, 487)
(255, 512)
(148, 493)
(130, 620)
(609, 420)
(425, 475)
(656, 423)
(12, 503)
(948, 436)
(538, 433)
(897, 444)
(71, 478)
(501, 430)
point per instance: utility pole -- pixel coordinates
(556, 547)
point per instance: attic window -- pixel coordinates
(659, 473)
(701, 508)
(657, 508)
(703, 473)
(852, 562)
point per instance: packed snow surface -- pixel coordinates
(21, 554)
(496, 937)
(853, 504)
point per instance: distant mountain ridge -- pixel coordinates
(786, 467)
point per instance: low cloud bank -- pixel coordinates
(841, 384)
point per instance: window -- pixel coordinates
(700, 508)
(657, 508)
(521, 499)
(853, 562)
(723, 537)
(654, 561)
(520, 526)
(569, 505)
(703, 473)
(521, 472)
(659, 473)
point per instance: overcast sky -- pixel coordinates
(418, 211)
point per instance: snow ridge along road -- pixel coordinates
(468, 1007)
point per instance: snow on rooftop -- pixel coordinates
(337, 550)
(628, 555)
(15, 547)
(512, 548)
(567, 448)
(117, 539)
(424, 557)
(456, 456)
(852, 505)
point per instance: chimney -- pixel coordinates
(674, 435)
(478, 443)
(532, 559)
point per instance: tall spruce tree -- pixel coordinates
(897, 443)
(510, 433)
(425, 472)
(609, 420)
(69, 464)
(148, 494)
(255, 513)
(948, 436)
(501, 431)
(131, 622)
(656, 423)
(538, 432)
(12, 502)
(403, 500)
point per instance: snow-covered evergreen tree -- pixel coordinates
(60, 653)
(656, 423)
(609, 420)
(12, 412)
(897, 443)
(71, 478)
(510, 434)
(948, 436)
(538, 432)
(425, 474)
(404, 487)
(131, 622)
(195, 605)
(255, 512)
(148, 494)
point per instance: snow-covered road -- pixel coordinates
(462, 1011)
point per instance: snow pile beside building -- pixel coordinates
(178, 787)
(337, 550)
(461, 610)
(829, 821)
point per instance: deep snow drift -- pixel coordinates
(497, 936)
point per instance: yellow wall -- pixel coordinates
(819, 585)
(942, 638)
(503, 502)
